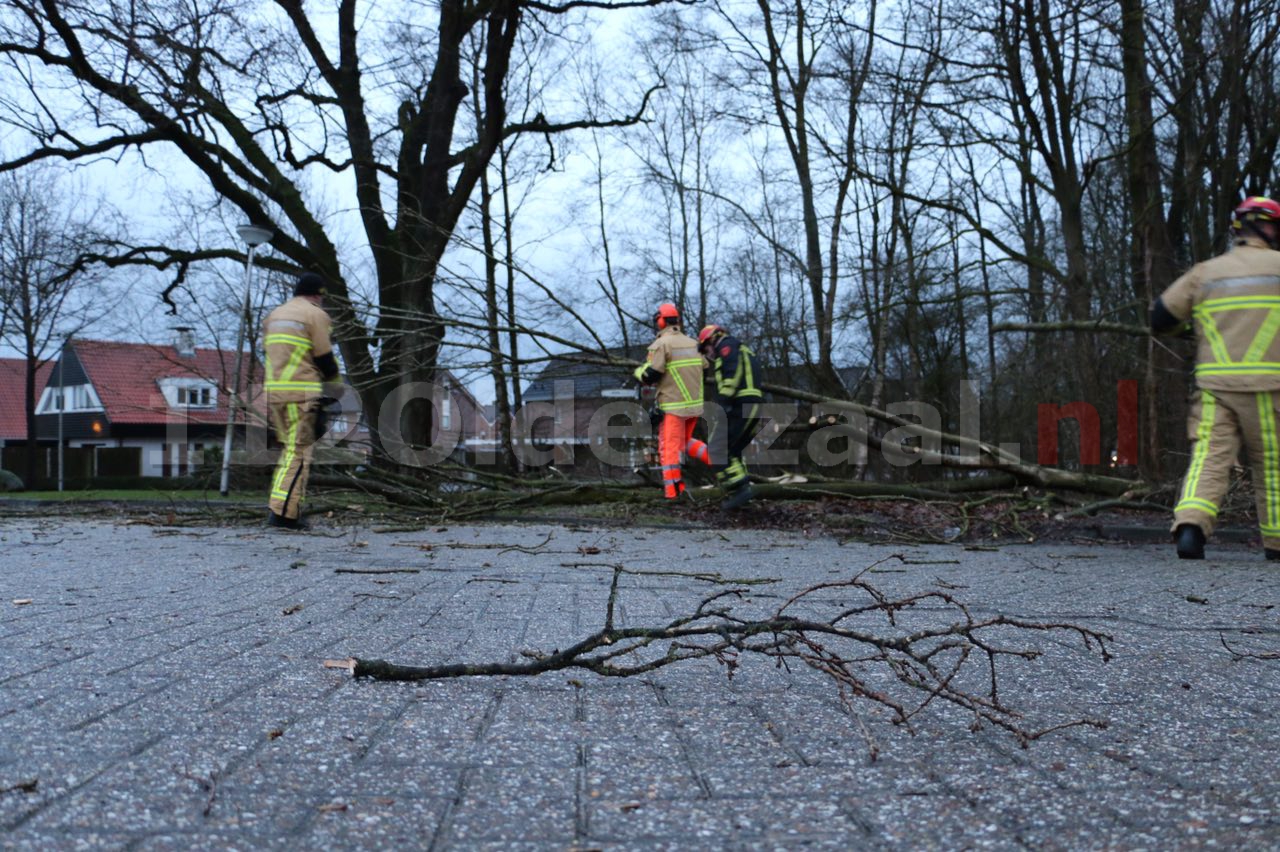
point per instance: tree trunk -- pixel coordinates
(1152, 253)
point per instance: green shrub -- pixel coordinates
(10, 481)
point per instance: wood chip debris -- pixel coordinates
(21, 787)
(349, 664)
(290, 610)
(22, 601)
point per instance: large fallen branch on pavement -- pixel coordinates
(899, 653)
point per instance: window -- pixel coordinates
(69, 398)
(200, 397)
(189, 393)
(446, 411)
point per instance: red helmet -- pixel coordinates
(1252, 212)
(667, 314)
(1256, 208)
(709, 333)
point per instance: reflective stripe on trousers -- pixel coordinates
(295, 429)
(1220, 422)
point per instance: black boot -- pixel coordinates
(1272, 554)
(737, 498)
(1190, 541)
(274, 520)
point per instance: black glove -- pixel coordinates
(655, 417)
(322, 416)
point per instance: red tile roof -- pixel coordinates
(13, 396)
(126, 377)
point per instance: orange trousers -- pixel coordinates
(675, 437)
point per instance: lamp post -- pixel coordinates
(253, 236)
(62, 401)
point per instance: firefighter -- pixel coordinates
(674, 365)
(1234, 302)
(299, 361)
(732, 367)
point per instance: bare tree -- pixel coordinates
(793, 61)
(46, 293)
(256, 100)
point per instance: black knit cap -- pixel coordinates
(309, 284)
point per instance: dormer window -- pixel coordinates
(189, 393)
(196, 397)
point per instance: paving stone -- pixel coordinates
(165, 690)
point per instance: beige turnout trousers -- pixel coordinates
(295, 425)
(1217, 424)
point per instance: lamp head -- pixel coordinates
(254, 235)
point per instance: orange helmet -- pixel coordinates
(667, 314)
(708, 334)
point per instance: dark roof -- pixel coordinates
(589, 380)
(802, 378)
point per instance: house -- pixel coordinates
(594, 417)
(140, 409)
(459, 420)
(13, 398)
(144, 410)
(458, 411)
(583, 414)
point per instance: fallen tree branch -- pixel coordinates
(1132, 330)
(1236, 656)
(896, 653)
(972, 453)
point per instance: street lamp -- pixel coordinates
(62, 401)
(253, 236)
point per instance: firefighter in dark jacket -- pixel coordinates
(733, 378)
(299, 361)
(1234, 302)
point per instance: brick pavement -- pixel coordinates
(162, 690)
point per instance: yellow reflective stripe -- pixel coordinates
(1270, 458)
(1256, 368)
(1269, 531)
(679, 380)
(726, 387)
(1210, 331)
(1196, 503)
(291, 366)
(1208, 410)
(1264, 338)
(286, 339)
(303, 386)
(1236, 303)
(290, 450)
(668, 406)
(295, 361)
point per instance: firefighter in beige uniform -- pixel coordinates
(675, 366)
(1234, 301)
(299, 360)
